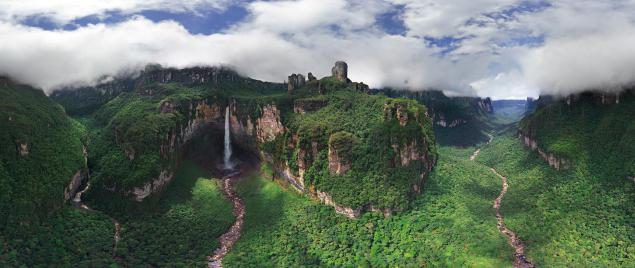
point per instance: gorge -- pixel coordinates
(288, 176)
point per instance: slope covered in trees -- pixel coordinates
(593, 130)
(566, 218)
(458, 121)
(41, 151)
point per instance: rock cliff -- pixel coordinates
(553, 161)
(458, 121)
(340, 71)
(592, 131)
(332, 146)
(295, 81)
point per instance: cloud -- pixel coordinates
(64, 11)
(505, 49)
(566, 65)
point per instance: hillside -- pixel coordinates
(326, 138)
(42, 166)
(591, 131)
(458, 121)
(42, 159)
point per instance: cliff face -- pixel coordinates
(591, 131)
(87, 99)
(458, 121)
(188, 77)
(410, 153)
(201, 113)
(328, 139)
(553, 161)
(84, 100)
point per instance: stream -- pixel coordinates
(77, 202)
(520, 260)
(228, 239)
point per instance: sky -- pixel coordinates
(505, 49)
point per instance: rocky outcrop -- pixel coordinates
(340, 71)
(351, 213)
(337, 164)
(408, 153)
(295, 81)
(188, 77)
(77, 179)
(22, 148)
(340, 152)
(310, 77)
(167, 107)
(555, 162)
(153, 186)
(398, 111)
(201, 113)
(269, 126)
(486, 105)
(303, 106)
(73, 186)
(452, 124)
(361, 87)
(326, 199)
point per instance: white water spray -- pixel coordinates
(227, 154)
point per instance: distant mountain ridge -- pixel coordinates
(87, 99)
(458, 121)
(593, 130)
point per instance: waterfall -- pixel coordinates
(227, 153)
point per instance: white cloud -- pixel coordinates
(584, 47)
(594, 61)
(511, 84)
(64, 11)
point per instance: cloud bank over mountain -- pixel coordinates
(505, 49)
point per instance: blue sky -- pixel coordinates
(212, 21)
(500, 48)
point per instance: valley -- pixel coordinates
(203, 167)
(317, 133)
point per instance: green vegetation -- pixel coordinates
(569, 218)
(597, 138)
(183, 230)
(126, 152)
(41, 151)
(128, 131)
(468, 110)
(451, 224)
(70, 238)
(366, 129)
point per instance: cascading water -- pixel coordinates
(227, 153)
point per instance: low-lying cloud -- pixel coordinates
(491, 58)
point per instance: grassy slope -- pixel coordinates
(192, 214)
(451, 224)
(565, 218)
